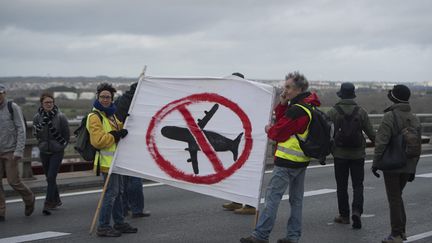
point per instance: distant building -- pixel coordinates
(65, 95)
(87, 95)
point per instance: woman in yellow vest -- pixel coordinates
(292, 118)
(105, 133)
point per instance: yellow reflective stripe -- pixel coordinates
(107, 153)
(290, 151)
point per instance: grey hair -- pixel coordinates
(299, 79)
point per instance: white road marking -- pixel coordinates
(307, 194)
(32, 237)
(428, 175)
(368, 215)
(70, 194)
(419, 236)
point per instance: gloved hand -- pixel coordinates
(116, 135)
(374, 171)
(411, 177)
(123, 133)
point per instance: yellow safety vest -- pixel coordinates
(290, 149)
(104, 156)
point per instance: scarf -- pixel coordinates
(109, 111)
(47, 117)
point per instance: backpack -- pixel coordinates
(11, 111)
(411, 138)
(83, 145)
(348, 129)
(319, 141)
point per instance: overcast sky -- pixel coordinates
(387, 40)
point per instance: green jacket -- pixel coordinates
(387, 129)
(348, 106)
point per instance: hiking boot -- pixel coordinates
(140, 215)
(392, 239)
(403, 236)
(252, 239)
(245, 210)
(341, 220)
(30, 208)
(356, 221)
(125, 228)
(107, 232)
(232, 206)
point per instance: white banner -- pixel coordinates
(200, 134)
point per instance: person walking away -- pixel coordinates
(395, 118)
(105, 132)
(133, 195)
(12, 143)
(290, 162)
(51, 129)
(349, 151)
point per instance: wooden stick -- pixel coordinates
(256, 218)
(99, 205)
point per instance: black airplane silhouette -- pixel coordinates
(217, 141)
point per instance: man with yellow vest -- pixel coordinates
(105, 133)
(290, 162)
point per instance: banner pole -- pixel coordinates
(264, 161)
(99, 204)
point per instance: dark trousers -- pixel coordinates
(395, 183)
(51, 165)
(343, 168)
(133, 195)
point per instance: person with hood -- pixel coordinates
(104, 134)
(12, 143)
(51, 129)
(349, 151)
(133, 195)
(290, 161)
(395, 118)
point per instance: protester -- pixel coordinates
(396, 117)
(349, 152)
(133, 195)
(51, 129)
(12, 143)
(105, 133)
(290, 161)
(238, 208)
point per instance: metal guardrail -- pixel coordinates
(27, 170)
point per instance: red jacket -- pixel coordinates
(291, 119)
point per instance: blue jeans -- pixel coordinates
(282, 178)
(112, 202)
(51, 165)
(133, 196)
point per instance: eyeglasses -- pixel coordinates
(105, 97)
(48, 102)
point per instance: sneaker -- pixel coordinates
(107, 232)
(245, 210)
(341, 220)
(125, 228)
(140, 215)
(232, 206)
(356, 221)
(30, 208)
(284, 240)
(252, 239)
(392, 239)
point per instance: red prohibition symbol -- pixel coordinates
(181, 105)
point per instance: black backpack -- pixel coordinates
(411, 137)
(319, 141)
(348, 129)
(83, 145)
